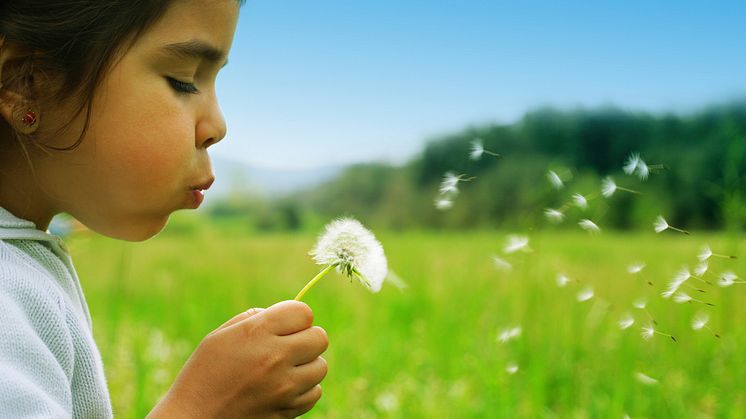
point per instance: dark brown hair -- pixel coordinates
(72, 42)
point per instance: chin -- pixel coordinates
(134, 230)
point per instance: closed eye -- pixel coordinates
(182, 87)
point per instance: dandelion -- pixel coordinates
(626, 321)
(506, 335)
(727, 279)
(707, 253)
(553, 215)
(682, 297)
(649, 331)
(554, 179)
(585, 294)
(641, 304)
(501, 263)
(443, 203)
(609, 187)
(580, 201)
(661, 225)
(701, 269)
(635, 268)
(516, 243)
(630, 165)
(700, 321)
(562, 280)
(635, 164)
(511, 368)
(681, 277)
(477, 150)
(449, 184)
(645, 379)
(353, 250)
(589, 226)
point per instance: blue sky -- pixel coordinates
(320, 82)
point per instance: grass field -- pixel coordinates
(432, 350)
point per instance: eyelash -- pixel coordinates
(182, 87)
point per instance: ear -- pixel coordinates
(14, 107)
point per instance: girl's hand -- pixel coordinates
(262, 363)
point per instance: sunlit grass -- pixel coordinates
(432, 349)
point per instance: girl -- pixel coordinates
(108, 108)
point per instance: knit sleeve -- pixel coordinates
(36, 350)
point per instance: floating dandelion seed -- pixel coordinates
(682, 297)
(701, 269)
(635, 164)
(353, 250)
(649, 331)
(645, 379)
(681, 277)
(643, 170)
(516, 243)
(554, 179)
(609, 187)
(449, 184)
(626, 321)
(509, 334)
(585, 294)
(707, 253)
(501, 263)
(443, 204)
(553, 215)
(511, 368)
(589, 226)
(635, 268)
(477, 150)
(580, 201)
(727, 279)
(700, 321)
(630, 165)
(640, 303)
(661, 225)
(562, 280)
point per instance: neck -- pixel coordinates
(19, 191)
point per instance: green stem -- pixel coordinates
(313, 282)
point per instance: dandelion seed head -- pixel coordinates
(643, 171)
(477, 149)
(630, 165)
(554, 179)
(626, 321)
(682, 297)
(647, 332)
(608, 187)
(645, 379)
(509, 334)
(585, 294)
(635, 268)
(660, 224)
(727, 279)
(443, 203)
(701, 269)
(554, 215)
(354, 250)
(562, 280)
(511, 368)
(639, 303)
(516, 243)
(501, 264)
(700, 321)
(682, 275)
(589, 226)
(449, 185)
(705, 254)
(580, 201)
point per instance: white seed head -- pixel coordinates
(701, 269)
(608, 187)
(640, 303)
(585, 294)
(682, 275)
(501, 264)
(635, 268)
(509, 334)
(477, 149)
(727, 279)
(511, 368)
(589, 226)
(516, 243)
(449, 185)
(647, 332)
(562, 280)
(630, 165)
(705, 254)
(354, 250)
(580, 201)
(443, 203)
(554, 215)
(554, 179)
(700, 321)
(645, 379)
(682, 297)
(642, 170)
(626, 321)
(660, 224)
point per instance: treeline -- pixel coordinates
(702, 185)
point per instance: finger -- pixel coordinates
(310, 374)
(286, 317)
(305, 401)
(306, 345)
(239, 317)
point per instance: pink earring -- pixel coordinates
(29, 118)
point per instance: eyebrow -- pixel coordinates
(197, 50)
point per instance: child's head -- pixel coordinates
(108, 107)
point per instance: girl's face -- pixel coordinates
(153, 118)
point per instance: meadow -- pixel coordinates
(432, 349)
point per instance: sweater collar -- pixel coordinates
(12, 227)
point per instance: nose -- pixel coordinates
(211, 127)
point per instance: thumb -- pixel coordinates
(240, 317)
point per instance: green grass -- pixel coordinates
(431, 350)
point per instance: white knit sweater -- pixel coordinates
(50, 366)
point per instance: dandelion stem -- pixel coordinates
(665, 334)
(679, 230)
(629, 190)
(313, 281)
(491, 153)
